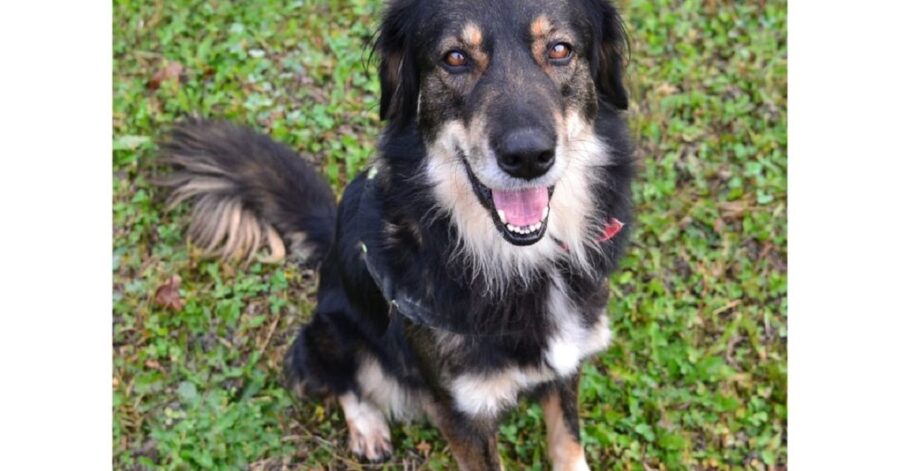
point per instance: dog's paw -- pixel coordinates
(370, 436)
(373, 444)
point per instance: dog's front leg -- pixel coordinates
(560, 404)
(473, 441)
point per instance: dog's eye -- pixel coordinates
(559, 53)
(455, 61)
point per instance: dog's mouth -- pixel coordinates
(519, 214)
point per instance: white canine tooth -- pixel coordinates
(537, 226)
(546, 212)
(501, 215)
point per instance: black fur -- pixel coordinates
(394, 215)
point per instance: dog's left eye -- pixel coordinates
(455, 61)
(559, 53)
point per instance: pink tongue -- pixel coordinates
(521, 207)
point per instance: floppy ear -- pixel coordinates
(608, 52)
(397, 71)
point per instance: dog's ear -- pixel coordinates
(608, 51)
(397, 72)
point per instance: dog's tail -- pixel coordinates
(248, 192)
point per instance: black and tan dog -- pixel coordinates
(468, 267)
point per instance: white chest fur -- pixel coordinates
(571, 342)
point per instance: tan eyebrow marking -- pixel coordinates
(471, 35)
(540, 30)
(540, 27)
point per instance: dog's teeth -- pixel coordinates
(501, 215)
(546, 212)
(525, 229)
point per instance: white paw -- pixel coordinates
(370, 436)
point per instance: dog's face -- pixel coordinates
(505, 94)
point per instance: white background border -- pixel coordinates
(56, 235)
(843, 234)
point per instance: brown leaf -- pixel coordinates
(424, 448)
(733, 210)
(171, 71)
(666, 89)
(167, 294)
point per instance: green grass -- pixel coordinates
(696, 378)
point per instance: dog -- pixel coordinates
(468, 266)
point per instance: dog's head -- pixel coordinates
(505, 94)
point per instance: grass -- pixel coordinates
(696, 378)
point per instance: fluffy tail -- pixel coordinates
(248, 192)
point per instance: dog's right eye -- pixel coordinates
(560, 53)
(456, 61)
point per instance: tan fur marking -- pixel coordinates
(276, 246)
(471, 35)
(472, 38)
(234, 236)
(540, 27)
(223, 227)
(565, 452)
(196, 186)
(464, 446)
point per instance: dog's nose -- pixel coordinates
(526, 153)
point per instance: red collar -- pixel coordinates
(609, 231)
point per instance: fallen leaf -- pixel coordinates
(733, 210)
(171, 71)
(666, 89)
(167, 294)
(424, 448)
